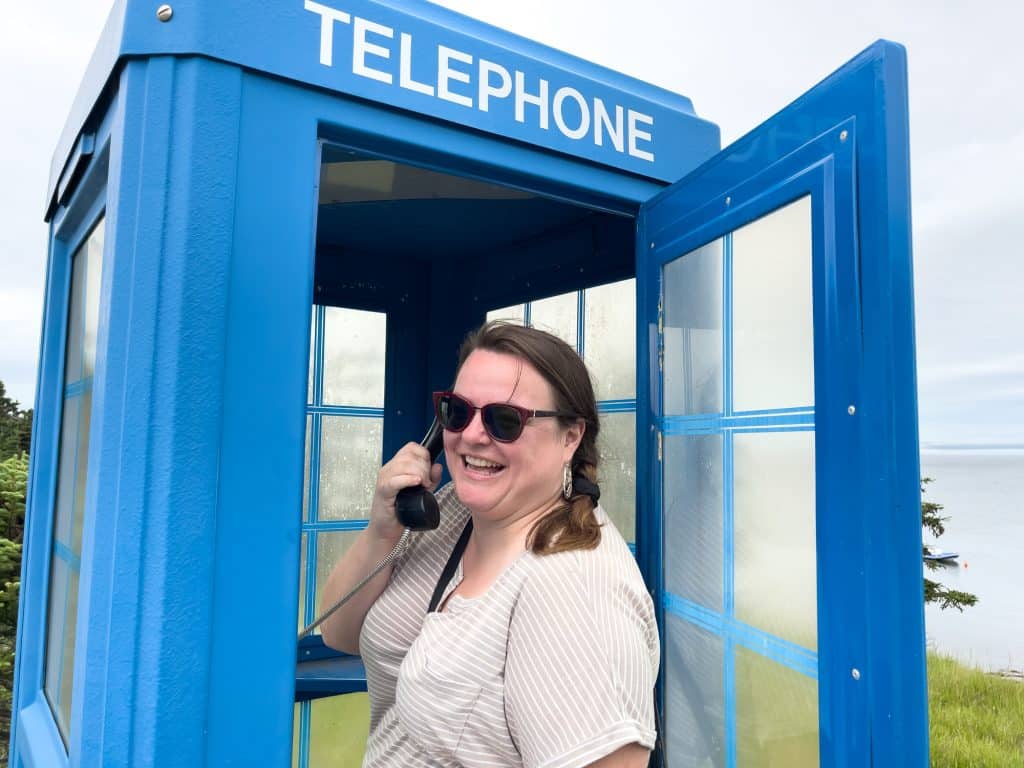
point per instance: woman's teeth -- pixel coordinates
(481, 464)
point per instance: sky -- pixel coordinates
(740, 61)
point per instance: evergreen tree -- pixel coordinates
(934, 592)
(15, 426)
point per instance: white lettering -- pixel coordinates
(523, 98)
(405, 68)
(361, 47)
(560, 96)
(445, 74)
(488, 68)
(635, 133)
(328, 16)
(603, 122)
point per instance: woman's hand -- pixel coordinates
(410, 467)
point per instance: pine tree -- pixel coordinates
(934, 592)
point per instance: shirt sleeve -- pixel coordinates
(581, 667)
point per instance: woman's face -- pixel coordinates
(508, 481)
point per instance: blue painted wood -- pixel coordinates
(845, 143)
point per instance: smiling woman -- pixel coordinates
(541, 647)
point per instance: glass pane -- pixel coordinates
(303, 619)
(331, 546)
(776, 561)
(92, 300)
(81, 466)
(693, 518)
(694, 706)
(306, 470)
(354, 357)
(773, 333)
(338, 728)
(67, 480)
(76, 310)
(776, 714)
(609, 345)
(58, 600)
(312, 358)
(515, 313)
(617, 471)
(692, 295)
(68, 652)
(350, 457)
(557, 315)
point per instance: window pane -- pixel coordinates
(776, 714)
(776, 561)
(694, 705)
(515, 313)
(610, 339)
(331, 546)
(773, 333)
(693, 518)
(338, 728)
(350, 457)
(303, 619)
(354, 357)
(306, 470)
(556, 315)
(72, 472)
(692, 296)
(617, 471)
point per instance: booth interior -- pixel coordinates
(409, 259)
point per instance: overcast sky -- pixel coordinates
(739, 62)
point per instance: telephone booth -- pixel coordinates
(271, 224)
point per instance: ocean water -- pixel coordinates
(983, 495)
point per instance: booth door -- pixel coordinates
(776, 324)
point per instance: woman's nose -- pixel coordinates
(475, 430)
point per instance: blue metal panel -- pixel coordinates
(421, 58)
(845, 143)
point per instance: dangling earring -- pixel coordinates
(566, 481)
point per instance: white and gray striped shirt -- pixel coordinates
(553, 666)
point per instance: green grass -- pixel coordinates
(976, 719)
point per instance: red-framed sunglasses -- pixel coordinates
(502, 421)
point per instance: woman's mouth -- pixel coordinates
(481, 466)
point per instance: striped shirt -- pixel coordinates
(553, 666)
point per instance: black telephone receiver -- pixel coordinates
(415, 507)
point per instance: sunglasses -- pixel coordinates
(502, 421)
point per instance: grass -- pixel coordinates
(976, 719)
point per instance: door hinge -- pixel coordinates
(659, 446)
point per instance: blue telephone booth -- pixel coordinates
(270, 226)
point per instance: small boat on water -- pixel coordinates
(932, 552)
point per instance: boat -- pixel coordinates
(932, 552)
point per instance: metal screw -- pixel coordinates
(851, 410)
(728, 201)
(164, 12)
(855, 673)
(652, 243)
(843, 135)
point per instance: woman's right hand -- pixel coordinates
(411, 466)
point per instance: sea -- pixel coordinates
(981, 490)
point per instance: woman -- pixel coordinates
(543, 650)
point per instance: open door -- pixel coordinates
(775, 324)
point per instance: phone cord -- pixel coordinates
(394, 554)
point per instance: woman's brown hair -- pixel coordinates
(571, 525)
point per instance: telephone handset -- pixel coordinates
(415, 507)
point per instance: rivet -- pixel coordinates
(652, 243)
(728, 201)
(851, 410)
(855, 673)
(164, 12)
(844, 135)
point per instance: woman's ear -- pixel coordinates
(573, 434)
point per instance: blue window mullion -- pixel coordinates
(581, 317)
(728, 521)
(305, 715)
(528, 313)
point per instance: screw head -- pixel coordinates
(851, 410)
(728, 201)
(164, 12)
(844, 135)
(855, 673)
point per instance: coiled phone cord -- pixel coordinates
(394, 554)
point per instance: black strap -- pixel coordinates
(450, 566)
